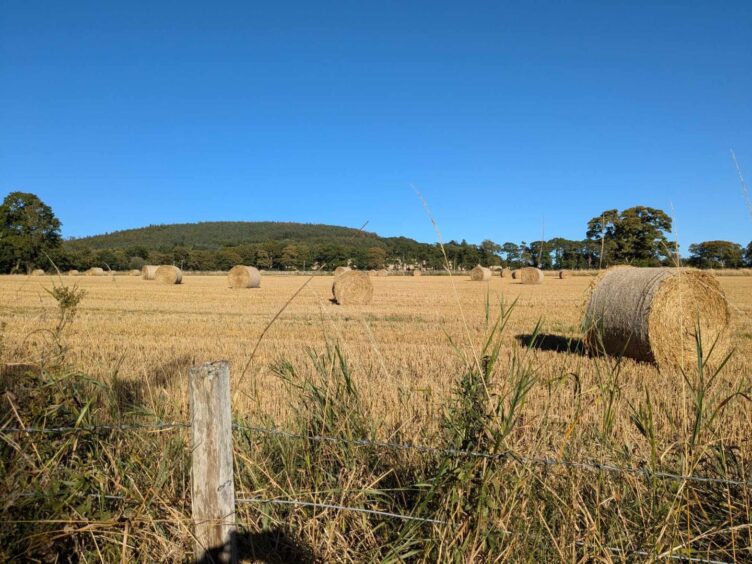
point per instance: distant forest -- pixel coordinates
(30, 237)
(286, 246)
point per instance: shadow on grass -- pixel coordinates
(555, 343)
(269, 546)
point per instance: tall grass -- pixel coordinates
(122, 495)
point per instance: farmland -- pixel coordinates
(407, 353)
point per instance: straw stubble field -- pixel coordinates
(399, 346)
(411, 377)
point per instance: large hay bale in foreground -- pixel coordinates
(563, 274)
(531, 275)
(341, 270)
(241, 276)
(651, 314)
(149, 271)
(480, 274)
(95, 271)
(38, 272)
(352, 288)
(168, 274)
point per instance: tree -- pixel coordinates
(376, 257)
(716, 254)
(636, 235)
(512, 254)
(489, 252)
(748, 255)
(28, 230)
(289, 258)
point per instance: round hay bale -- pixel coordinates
(515, 274)
(135, 272)
(352, 288)
(341, 270)
(480, 274)
(505, 272)
(531, 275)
(382, 272)
(95, 271)
(563, 274)
(73, 273)
(241, 276)
(148, 271)
(417, 273)
(38, 272)
(168, 274)
(651, 314)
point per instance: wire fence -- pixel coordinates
(507, 455)
(367, 443)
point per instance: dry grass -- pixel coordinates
(398, 345)
(407, 353)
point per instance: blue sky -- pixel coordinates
(506, 116)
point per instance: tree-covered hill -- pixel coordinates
(212, 235)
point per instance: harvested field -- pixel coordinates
(404, 356)
(141, 327)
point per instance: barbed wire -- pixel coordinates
(391, 515)
(365, 443)
(317, 505)
(95, 428)
(507, 455)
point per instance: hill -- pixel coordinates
(212, 235)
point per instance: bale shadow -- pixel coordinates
(555, 343)
(269, 546)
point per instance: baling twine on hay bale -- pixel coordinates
(652, 314)
(241, 276)
(480, 274)
(531, 275)
(352, 288)
(168, 274)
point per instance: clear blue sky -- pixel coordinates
(122, 114)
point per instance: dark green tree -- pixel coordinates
(716, 254)
(748, 255)
(636, 236)
(28, 230)
(376, 257)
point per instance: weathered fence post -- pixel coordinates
(213, 486)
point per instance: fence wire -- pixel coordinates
(365, 443)
(502, 456)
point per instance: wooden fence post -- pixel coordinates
(212, 484)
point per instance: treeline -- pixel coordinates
(557, 253)
(30, 238)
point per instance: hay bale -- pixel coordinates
(38, 272)
(241, 276)
(73, 273)
(515, 274)
(505, 272)
(480, 274)
(563, 274)
(149, 271)
(417, 273)
(341, 270)
(168, 274)
(382, 272)
(651, 314)
(352, 288)
(531, 275)
(135, 272)
(95, 271)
